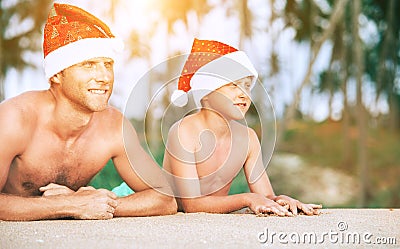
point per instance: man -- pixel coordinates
(207, 149)
(54, 141)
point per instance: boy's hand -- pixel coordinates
(294, 205)
(260, 204)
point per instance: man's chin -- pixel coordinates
(99, 108)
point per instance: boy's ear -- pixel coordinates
(204, 100)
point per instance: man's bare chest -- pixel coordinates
(48, 160)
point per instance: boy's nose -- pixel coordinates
(241, 93)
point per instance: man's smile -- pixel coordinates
(98, 91)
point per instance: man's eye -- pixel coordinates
(108, 64)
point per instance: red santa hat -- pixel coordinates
(72, 35)
(211, 65)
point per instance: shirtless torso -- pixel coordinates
(44, 157)
(216, 157)
(54, 141)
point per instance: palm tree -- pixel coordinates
(334, 19)
(382, 60)
(16, 40)
(361, 119)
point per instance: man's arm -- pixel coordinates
(83, 204)
(153, 195)
(259, 182)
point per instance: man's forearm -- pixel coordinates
(17, 208)
(146, 203)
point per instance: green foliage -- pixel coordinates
(18, 42)
(107, 178)
(239, 184)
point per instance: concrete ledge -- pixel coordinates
(334, 228)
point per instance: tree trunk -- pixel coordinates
(245, 22)
(2, 71)
(394, 111)
(336, 16)
(387, 73)
(346, 111)
(387, 46)
(344, 77)
(361, 120)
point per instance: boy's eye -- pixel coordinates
(88, 64)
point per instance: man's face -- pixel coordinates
(232, 100)
(88, 85)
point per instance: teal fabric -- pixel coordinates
(122, 190)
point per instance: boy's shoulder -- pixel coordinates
(188, 125)
(242, 130)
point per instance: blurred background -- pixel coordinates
(331, 68)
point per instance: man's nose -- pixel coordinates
(103, 73)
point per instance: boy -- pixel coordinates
(206, 150)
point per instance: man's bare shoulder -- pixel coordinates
(25, 100)
(110, 120)
(111, 113)
(23, 109)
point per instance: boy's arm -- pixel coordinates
(256, 176)
(180, 159)
(153, 195)
(259, 182)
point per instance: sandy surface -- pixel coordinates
(334, 228)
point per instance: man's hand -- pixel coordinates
(294, 205)
(88, 203)
(260, 204)
(55, 189)
(94, 203)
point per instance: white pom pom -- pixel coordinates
(179, 98)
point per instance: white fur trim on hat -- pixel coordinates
(219, 72)
(179, 98)
(79, 51)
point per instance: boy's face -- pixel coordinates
(231, 100)
(88, 84)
